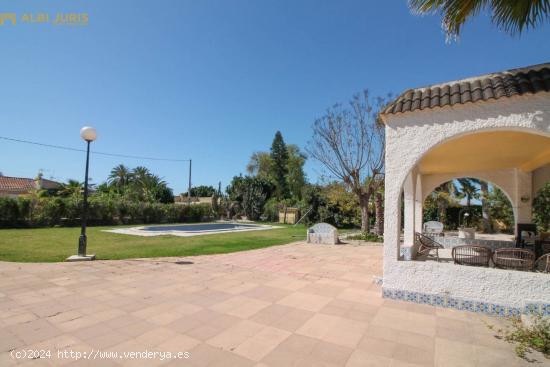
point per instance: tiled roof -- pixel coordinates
(20, 184)
(528, 80)
(16, 184)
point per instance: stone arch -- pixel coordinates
(483, 176)
(441, 140)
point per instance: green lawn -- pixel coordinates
(56, 244)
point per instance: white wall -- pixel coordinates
(540, 177)
(408, 137)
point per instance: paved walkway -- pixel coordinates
(294, 305)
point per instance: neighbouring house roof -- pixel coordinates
(21, 184)
(528, 80)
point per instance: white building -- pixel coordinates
(494, 127)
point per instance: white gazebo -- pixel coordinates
(494, 127)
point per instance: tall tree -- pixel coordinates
(120, 176)
(469, 189)
(512, 16)
(379, 210)
(485, 213)
(443, 196)
(250, 193)
(259, 165)
(349, 142)
(500, 209)
(279, 168)
(296, 177)
(140, 173)
(201, 191)
(72, 189)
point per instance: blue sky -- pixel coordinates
(214, 80)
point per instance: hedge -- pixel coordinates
(56, 211)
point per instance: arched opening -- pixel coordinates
(505, 160)
(473, 203)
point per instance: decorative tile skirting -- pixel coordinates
(443, 300)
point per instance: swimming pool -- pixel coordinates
(186, 230)
(202, 227)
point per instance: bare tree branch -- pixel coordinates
(350, 143)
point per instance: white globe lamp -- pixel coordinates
(88, 133)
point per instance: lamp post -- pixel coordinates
(88, 134)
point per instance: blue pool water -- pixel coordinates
(201, 227)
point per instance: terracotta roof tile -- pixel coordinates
(529, 80)
(20, 184)
(16, 184)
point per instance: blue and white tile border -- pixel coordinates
(531, 307)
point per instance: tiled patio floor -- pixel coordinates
(293, 305)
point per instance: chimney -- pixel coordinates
(38, 183)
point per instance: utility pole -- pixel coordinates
(189, 189)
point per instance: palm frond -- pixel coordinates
(512, 16)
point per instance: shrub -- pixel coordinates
(541, 208)
(271, 210)
(51, 211)
(102, 210)
(9, 212)
(369, 237)
(535, 336)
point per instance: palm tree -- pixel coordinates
(485, 213)
(469, 190)
(120, 176)
(150, 186)
(140, 173)
(512, 16)
(72, 189)
(444, 195)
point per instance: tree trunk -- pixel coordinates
(379, 208)
(364, 205)
(487, 223)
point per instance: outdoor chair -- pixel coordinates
(514, 258)
(426, 245)
(472, 255)
(322, 233)
(543, 264)
(433, 228)
(525, 235)
(544, 238)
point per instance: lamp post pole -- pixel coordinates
(82, 242)
(88, 134)
(189, 187)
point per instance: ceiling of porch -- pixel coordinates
(488, 151)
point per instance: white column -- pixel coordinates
(409, 210)
(418, 204)
(524, 188)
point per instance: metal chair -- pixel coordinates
(524, 227)
(514, 258)
(471, 255)
(543, 264)
(426, 245)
